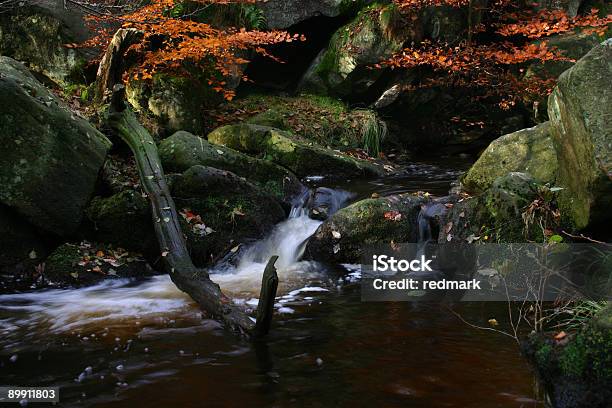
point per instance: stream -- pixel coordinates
(126, 343)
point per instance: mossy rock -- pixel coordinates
(36, 36)
(49, 157)
(528, 150)
(506, 201)
(344, 67)
(232, 210)
(326, 121)
(603, 319)
(341, 239)
(123, 219)
(496, 215)
(586, 360)
(581, 127)
(572, 46)
(575, 372)
(83, 265)
(19, 241)
(174, 102)
(299, 156)
(183, 150)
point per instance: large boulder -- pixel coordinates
(183, 150)
(21, 246)
(497, 214)
(341, 239)
(326, 121)
(579, 110)
(573, 46)
(344, 67)
(221, 211)
(49, 156)
(528, 150)
(123, 219)
(36, 35)
(87, 264)
(218, 210)
(302, 157)
(173, 102)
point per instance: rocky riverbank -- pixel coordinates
(73, 212)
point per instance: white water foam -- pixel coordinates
(124, 302)
(287, 241)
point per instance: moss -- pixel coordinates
(123, 219)
(543, 355)
(87, 264)
(365, 223)
(343, 68)
(588, 355)
(236, 210)
(184, 150)
(528, 150)
(323, 120)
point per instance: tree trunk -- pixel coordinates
(177, 261)
(112, 66)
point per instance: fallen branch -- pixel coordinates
(176, 259)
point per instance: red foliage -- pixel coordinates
(491, 62)
(169, 42)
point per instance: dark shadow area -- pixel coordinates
(266, 73)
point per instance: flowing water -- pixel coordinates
(126, 343)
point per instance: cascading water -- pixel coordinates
(288, 241)
(115, 301)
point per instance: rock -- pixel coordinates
(88, 264)
(575, 372)
(603, 318)
(174, 102)
(528, 150)
(183, 150)
(124, 220)
(344, 67)
(19, 241)
(497, 214)
(342, 237)
(320, 119)
(446, 24)
(506, 200)
(36, 36)
(570, 6)
(232, 211)
(49, 157)
(21, 249)
(573, 46)
(220, 210)
(581, 127)
(281, 14)
(299, 156)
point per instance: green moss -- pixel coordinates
(543, 355)
(320, 119)
(588, 355)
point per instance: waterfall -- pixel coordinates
(287, 240)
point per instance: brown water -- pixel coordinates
(143, 343)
